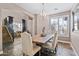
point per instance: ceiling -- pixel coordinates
(50, 8)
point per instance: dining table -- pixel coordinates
(42, 39)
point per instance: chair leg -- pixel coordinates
(54, 51)
(39, 53)
(23, 54)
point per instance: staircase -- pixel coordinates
(6, 35)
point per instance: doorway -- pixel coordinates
(23, 25)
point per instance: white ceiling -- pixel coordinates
(36, 8)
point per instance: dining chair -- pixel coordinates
(52, 44)
(27, 46)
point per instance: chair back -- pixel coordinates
(27, 44)
(55, 38)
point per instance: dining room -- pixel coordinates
(43, 30)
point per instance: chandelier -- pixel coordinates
(43, 10)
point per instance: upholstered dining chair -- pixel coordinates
(52, 44)
(27, 46)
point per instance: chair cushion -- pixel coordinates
(36, 49)
(48, 45)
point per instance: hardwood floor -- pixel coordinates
(64, 49)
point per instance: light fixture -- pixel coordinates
(43, 14)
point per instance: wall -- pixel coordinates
(75, 41)
(74, 34)
(0, 34)
(60, 14)
(35, 24)
(29, 25)
(40, 23)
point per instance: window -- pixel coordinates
(61, 24)
(54, 24)
(76, 22)
(17, 26)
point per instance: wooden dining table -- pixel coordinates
(39, 39)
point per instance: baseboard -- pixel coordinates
(1, 52)
(74, 49)
(63, 41)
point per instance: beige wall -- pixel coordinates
(75, 41)
(0, 33)
(42, 23)
(60, 14)
(74, 34)
(0, 39)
